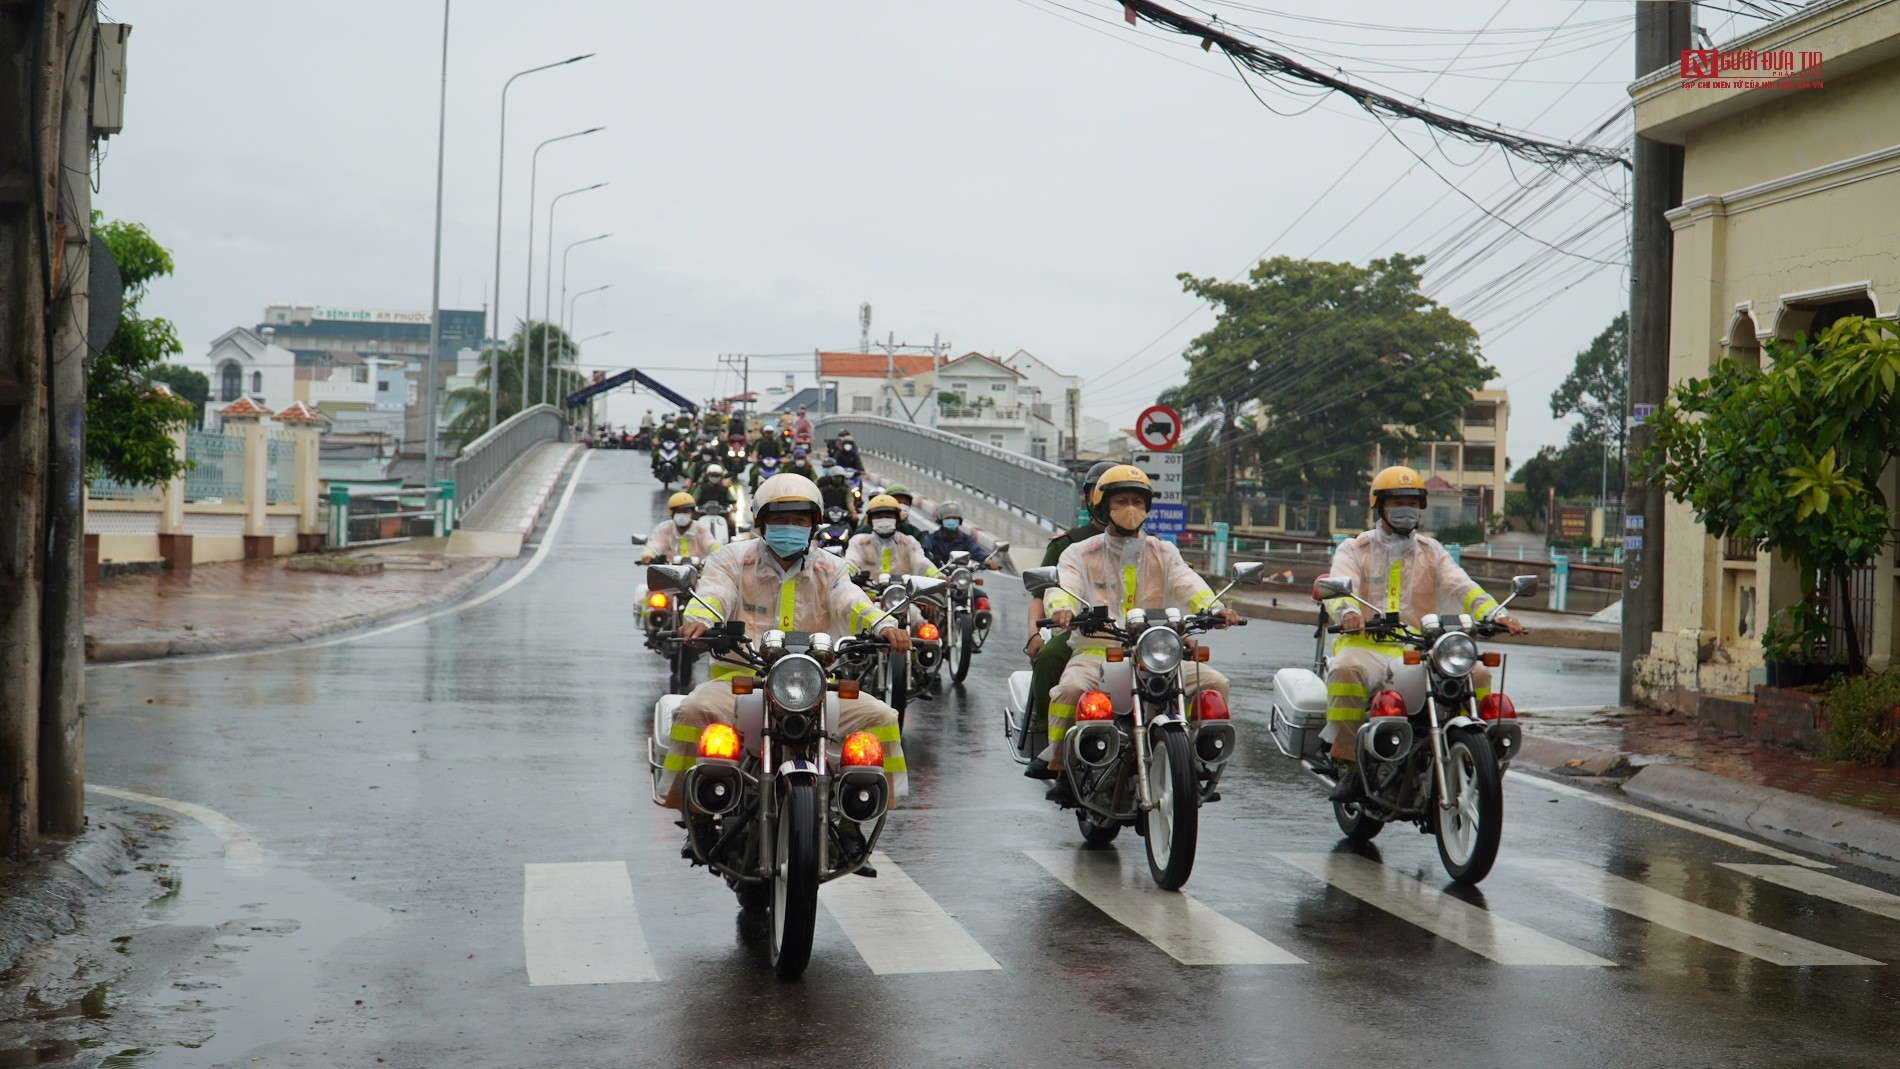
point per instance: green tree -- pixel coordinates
(129, 421)
(191, 385)
(469, 405)
(1310, 364)
(1790, 458)
(1597, 388)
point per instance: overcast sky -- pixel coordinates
(1000, 173)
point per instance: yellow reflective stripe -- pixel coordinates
(895, 765)
(1345, 715)
(1128, 588)
(932, 571)
(1059, 600)
(719, 670)
(1477, 602)
(1345, 690)
(1393, 580)
(787, 602)
(884, 559)
(683, 733)
(1337, 607)
(704, 607)
(864, 614)
(1201, 601)
(686, 545)
(676, 762)
(885, 732)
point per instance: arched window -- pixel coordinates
(230, 382)
(257, 382)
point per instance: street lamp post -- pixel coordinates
(547, 285)
(567, 325)
(527, 286)
(564, 255)
(435, 289)
(495, 322)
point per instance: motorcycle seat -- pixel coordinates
(1019, 689)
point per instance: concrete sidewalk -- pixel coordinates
(1831, 808)
(499, 523)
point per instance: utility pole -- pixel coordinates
(435, 291)
(1662, 33)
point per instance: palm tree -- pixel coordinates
(470, 404)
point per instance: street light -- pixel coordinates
(501, 159)
(564, 255)
(435, 289)
(527, 286)
(547, 285)
(591, 337)
(567, 324)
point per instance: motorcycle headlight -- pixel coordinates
(892, 597)
(1158, 650)
(1455, 655)
(962, 579)
(795, 684)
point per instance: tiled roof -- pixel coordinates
(874, 365)
(244, 408)
(982, 356)
(298, 412)
(1437, 485)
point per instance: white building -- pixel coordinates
(980, 398)
(899, 386)
(1054, 404)
(242, 363)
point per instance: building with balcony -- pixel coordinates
(1054, 402)
(890, 385)
(1466, 480)
(242, 363)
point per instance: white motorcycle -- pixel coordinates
(1429, 751)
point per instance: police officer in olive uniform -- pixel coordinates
(1049, 651)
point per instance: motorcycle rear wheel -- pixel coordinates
(1096, 834)
(795, 879)
(1469, 832)
(1174, 824)
(965, 647)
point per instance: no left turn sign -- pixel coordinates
(1158, 428)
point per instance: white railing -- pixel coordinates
(487, 458)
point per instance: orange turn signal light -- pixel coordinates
(862, 749)
(720, 741)
(1413, 657)
(744, 684)
(847, 688)
(979, 582)
(1095, 705)
(1200, 654)
(928, 632)
(1116, 655)
(656, 600)
(1492, 660)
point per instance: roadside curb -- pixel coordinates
(44, 898)
(1260, 606)
(1842, 832)
(111, 651)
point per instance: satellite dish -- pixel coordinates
(106, 299)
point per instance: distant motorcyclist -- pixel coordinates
(835, 487)
(1122, 568)
(952, 536)
(885, 549)
(767, 444)
(904, 498)
(845, 452)
(762, 469)
(801, 464)
(713, 485)
(777, 582)
(1407, 573)
(680, 534)
(801, 427)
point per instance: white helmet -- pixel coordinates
(787, 492)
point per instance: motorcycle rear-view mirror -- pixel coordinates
(1249, 572)
(1333, 586)
(1523, 584)
(1041, 580)
(1001, 547)
(639, 540)
(921, 584)
(669, 578)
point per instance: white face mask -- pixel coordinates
(884, 526)
(1403, 518)
(682, 520)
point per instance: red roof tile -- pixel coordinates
(298, 412)
(1439, 486)
(874, 365)
(244, 408)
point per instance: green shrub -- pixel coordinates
(1860, 722)
(1460, 534)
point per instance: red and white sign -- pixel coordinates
(1158, 428)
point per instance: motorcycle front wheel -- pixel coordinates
(1174, 824)
(795, 879)
(1096, 833)
(964, 642)
(1469, 832)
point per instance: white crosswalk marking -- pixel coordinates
(1628, 896)
(1821, 885)
(1606, 801)
(580, 927)
(897, 928)
(1188, 931)
(1478, 930)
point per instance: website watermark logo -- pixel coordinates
(1747, 68)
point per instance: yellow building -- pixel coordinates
(1471, 473)
(1790, 219)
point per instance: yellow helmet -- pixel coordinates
(786, 492)
(680, 500)
(884, 503)
(1393, 480)
(1119, 477)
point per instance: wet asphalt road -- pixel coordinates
(401, 784)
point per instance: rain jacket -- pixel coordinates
(1144, 572)
(940, 543)
(743, 582)
(899, 554)
(669, 541)
(1410, 576)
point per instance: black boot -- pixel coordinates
(1351, 787)
(1062, 794)
(1039, 769)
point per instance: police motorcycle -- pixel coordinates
(783, 801)
(766, 468)
(1429, 752)
(717, 516)
(967, 622)
(666, 461)
(893, 676)
(1134, 757)
(836, 530)
(662, 611)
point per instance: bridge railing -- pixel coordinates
(1035, 487)
(488, 457)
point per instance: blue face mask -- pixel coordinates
(787, 539)
(952, 524)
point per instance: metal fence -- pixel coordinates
(281, 471)
(106, 488)
(1035, 487)
(487, 458)
(216, 466)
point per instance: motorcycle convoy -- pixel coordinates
(782, 799)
